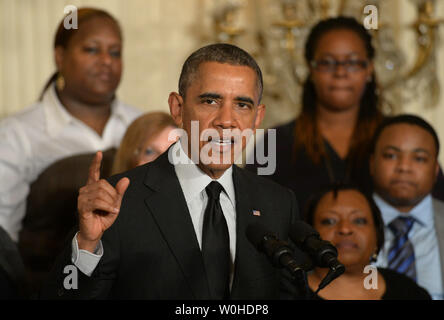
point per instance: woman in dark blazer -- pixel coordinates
(350, 219)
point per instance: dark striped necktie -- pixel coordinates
(401, 257)
(216, 244)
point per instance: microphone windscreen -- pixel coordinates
(300, 231)
(255, 234)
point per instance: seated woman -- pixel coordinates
(12, 272)
(145, 139)
(351, 221)
(78, 113)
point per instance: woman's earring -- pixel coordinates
(60, 82)
(374, 257)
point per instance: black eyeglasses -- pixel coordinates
(330, 65)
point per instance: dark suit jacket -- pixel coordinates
(151, 251)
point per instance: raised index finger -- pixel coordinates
(94, 168)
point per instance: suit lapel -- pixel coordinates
(169, 209)
(244, 217)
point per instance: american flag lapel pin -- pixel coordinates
(256, 213)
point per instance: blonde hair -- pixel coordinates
(145, 127)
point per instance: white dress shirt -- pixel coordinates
(424, 240)
(193, 182)
(38, 136)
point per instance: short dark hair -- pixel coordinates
(408, 119)
(64, 35)
(336, 188)
(222, 53)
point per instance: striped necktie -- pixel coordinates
(401, 257)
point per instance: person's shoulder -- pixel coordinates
(281, 135)
(29, 115)
(438, 214)
(283, 131)
(390, 275)
(401, 287)
(438, 206)
(267, 195)
(286, 128)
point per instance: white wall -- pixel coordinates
(407, 42)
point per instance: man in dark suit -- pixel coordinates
(175, 228)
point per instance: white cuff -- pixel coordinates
(84, 260)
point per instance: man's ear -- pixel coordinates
(59, 56)
(260, 114)
(175, 101)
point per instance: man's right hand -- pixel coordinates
(98, 205)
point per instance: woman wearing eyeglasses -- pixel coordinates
(328, 141)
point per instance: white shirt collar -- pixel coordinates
(193, 180)
(57, 117)
(422, 212)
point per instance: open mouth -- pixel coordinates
(105, 78)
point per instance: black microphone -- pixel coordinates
(279, 252)
(323, 253)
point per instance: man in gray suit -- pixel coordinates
(174, 229)
(404, 166)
